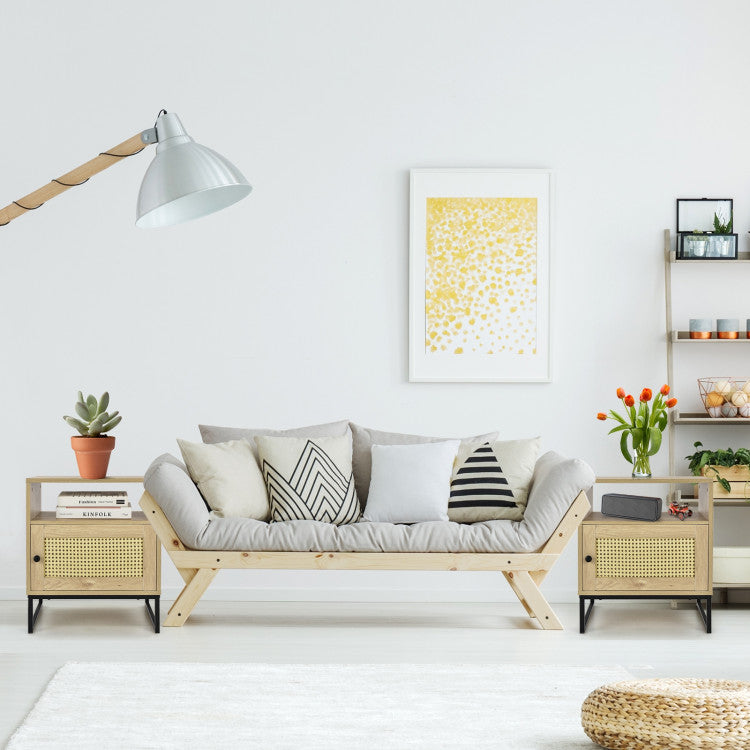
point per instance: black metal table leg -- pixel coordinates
(153, 614)
(583, 613)
(705, 614)
(33, 613)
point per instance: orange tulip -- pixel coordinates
(601, 416)
(646, 394)
(664, 390)
(629, 400)
(620, 393)
(671, 402)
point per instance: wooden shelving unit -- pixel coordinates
(674, 337)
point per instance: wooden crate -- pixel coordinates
(738, 478)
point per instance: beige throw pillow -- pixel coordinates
(228, 477)
(491, 480)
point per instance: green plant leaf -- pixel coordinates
(111, 424)
(617, 417)
(624, 447)
(92, 406)
(619, 428)
(103, 402)
(655, 435)
(82, 411)
(77, 424)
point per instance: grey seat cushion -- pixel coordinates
(556, 482)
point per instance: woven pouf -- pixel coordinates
(669, 714)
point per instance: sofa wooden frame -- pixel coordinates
(523, 571)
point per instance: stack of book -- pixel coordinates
(105, 504)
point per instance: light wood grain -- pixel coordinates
(590, 583)
(535, 601)
(78, 480)
(43, 524)
(189, 597)
(446, 561)
(38, 583)
(71, 179)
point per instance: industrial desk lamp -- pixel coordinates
(184, 181)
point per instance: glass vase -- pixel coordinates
(641, 465)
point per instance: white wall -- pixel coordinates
(291, 307)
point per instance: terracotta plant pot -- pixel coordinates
(92, 455)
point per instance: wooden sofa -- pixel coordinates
(524, 571)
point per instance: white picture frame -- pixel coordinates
(479, 264)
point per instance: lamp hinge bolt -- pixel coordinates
(149, 136)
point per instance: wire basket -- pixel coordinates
(725, 397)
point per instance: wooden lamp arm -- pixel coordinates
(77, 176)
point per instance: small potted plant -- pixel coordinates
(697, 243)
(727, 465)
(722, 226)
(93, 446)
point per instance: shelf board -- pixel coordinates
(697, 519)
(683, 337)
(78, 480)
(703, 419)
(734, 502)
(655, 480)
(48, 516)
(741, 258)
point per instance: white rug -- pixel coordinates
(312, 706)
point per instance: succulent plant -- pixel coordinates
(93, 419)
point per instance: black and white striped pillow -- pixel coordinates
(491, 480)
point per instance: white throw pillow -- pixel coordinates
(410, 483)
(228, 477)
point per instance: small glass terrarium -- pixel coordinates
(704, 229)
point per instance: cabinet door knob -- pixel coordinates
(588, 558)
(37, 558)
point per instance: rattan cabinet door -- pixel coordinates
(93, 557)
(645, 558)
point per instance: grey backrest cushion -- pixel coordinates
(363, 438)
(213, 434)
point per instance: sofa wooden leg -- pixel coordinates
(189, 596)
(533, 600)
(517, 592)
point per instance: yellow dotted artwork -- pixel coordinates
(480, 285)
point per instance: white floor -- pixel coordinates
(648, 638)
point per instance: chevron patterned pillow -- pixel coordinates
(309, 479)
(491, 480)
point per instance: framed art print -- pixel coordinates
(479, 275)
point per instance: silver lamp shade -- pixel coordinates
(185, 180)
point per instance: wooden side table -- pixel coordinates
(620, 558)
(89, 558)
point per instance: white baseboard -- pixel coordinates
(345, 594)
